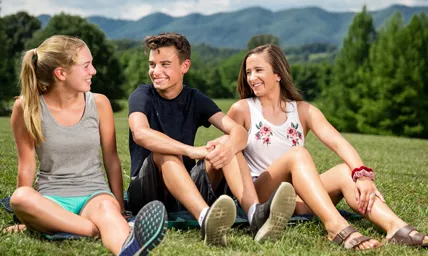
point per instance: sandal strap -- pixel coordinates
(355, 242)
(402, 236)
(345, 233)
(404, 231)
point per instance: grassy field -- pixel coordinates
(401, 167)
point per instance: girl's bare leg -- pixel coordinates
(43, 215)
(338, 183)
(104, 211)
(238, 179)
(297, 167)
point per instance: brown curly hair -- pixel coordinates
(170, 39)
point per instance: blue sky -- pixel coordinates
(135, 9)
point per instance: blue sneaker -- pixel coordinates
(148, 231)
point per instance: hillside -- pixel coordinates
(233, 29)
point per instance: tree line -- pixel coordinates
(379, 81)
(375, 83)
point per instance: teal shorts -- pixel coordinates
(75, 204)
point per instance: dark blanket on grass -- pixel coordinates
(184, 220)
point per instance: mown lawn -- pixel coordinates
(401, 167)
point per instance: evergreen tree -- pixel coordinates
(310, 79)
(342, 99)
(397, 104)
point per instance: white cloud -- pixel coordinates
(135, 9)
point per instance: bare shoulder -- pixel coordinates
(17, 118)
(18, 109)
(306, 108)
(101, 101)
(241, 106)
(307, 112)
(240, 113)
(103, 106)
(310, 115)
(303, 109)
(101, 98)
(17, 105)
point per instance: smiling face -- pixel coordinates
(79, 75)
(166, 71)
(259, 74)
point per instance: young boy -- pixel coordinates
(163, 118)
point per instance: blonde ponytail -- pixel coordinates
(37, 76)
(30, 96)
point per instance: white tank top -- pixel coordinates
(266, 141)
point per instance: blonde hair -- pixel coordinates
(37, 76)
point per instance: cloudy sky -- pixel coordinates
(135, 9)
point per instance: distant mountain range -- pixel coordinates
(294, 27)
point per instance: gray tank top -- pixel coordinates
(69, 158)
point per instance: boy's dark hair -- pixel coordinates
(170, 39)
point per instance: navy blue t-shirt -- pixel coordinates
(178, 118)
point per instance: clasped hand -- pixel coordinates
(220, 154)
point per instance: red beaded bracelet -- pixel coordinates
(362, 171)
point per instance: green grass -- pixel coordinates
(401, 167)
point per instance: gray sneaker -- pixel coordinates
(271, 217)
(218, 220)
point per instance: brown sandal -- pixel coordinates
(351, 244)
(402, 236)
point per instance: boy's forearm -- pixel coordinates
(158, 142)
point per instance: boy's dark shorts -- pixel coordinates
(148, 186)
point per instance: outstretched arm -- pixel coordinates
(24, 146)
(327, 134)
(108, 146)
(158, 142)
(314, 120)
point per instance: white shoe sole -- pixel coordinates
(220, 218)
(281, 210)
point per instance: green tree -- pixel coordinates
(261, 40)
(229, 71)
(396, 101)
(311, 78)
(18, 28)
(6, 73)
(109, 77)
(197, 78)
(136, 65)
(125, 44)
(216, 88)
(341, 99)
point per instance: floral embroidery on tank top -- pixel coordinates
(294, 135)
(264, 133)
